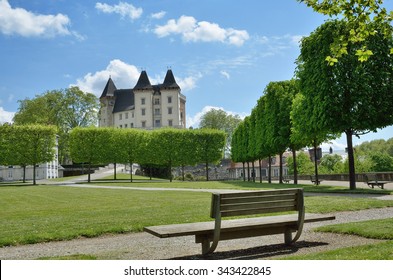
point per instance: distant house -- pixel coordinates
(48, 170)
(145, 106)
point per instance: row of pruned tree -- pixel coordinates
(163, 147)
(27, 145)
(349, 96)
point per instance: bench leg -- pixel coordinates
(205, 246)
(288, 237)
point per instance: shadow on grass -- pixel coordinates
(262, 252)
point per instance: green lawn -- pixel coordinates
(31, 214)
(139, 181)
(380, 251)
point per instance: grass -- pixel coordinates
(377, 229)
(139, 181)
(32, 214)
(379, 251)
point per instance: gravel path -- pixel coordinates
(143, 246)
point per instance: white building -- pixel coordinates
(144, 106)
(47, 170)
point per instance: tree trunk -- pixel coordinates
(182, 171)
(114, 171)
(270, 170)
(207, 171)
(294, 166)
(24, 173)
(244, 172)
(130, 172)
(351, 161)
(253, 172)
(260, 170)
(34, 177)
(316, 163)
(248, 171)
(281, 171)
(88, 171)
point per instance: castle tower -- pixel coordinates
(143, 98)
(107, 100)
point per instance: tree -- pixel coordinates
(90, 145)
(66, 109)
(209, 146)
(304, 164)
(131, 142)
(381, 162)
(31, 145)
(279, 98)
(329, 163)
(349, 97)
(221, 120)
(364, 18)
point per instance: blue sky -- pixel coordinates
(223, 53)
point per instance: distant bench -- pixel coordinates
(371, 180)
(244, 204)
(314, 180)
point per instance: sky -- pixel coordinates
(223, 53)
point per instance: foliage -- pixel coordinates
(349, 97)
(331, 164)
(27, 145)
(89, 145)
(221, 120)
(365, 18)
(381, 162)
(304, 164)
(65, 109)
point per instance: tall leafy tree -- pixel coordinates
(364, 18)
(32, 145)
(209, 144)
(350, 97)
(89, 145)
(221, 120)
(131, 144)
(66, 109)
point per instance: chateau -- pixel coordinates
(145, 106)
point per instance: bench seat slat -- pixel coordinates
(202, 228)
(251, 199)
(255, 205)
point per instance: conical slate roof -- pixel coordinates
(169, 81)
(109, 89)
(143, 82)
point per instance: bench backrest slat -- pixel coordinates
(249, 203)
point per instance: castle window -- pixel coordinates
(143, 111)
(157, 101)
(156, 111)
(170, 123)
(126, 125)
(126, 116)
(120, 117)
(143, 123)
(132, 125)
(157, 123)
(169, 110)
(169, 99)
(143, 101)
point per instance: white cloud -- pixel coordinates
(193, 31)
(158, 15)
(225, 74)
(6, 116)
(196, 119)
(28, 24)
(124, 9)
(125, 76)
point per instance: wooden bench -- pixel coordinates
(245, 204)
(314, 180)
(286, 179)
(371, 180)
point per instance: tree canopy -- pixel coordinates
(364, 18)
(349, 97)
